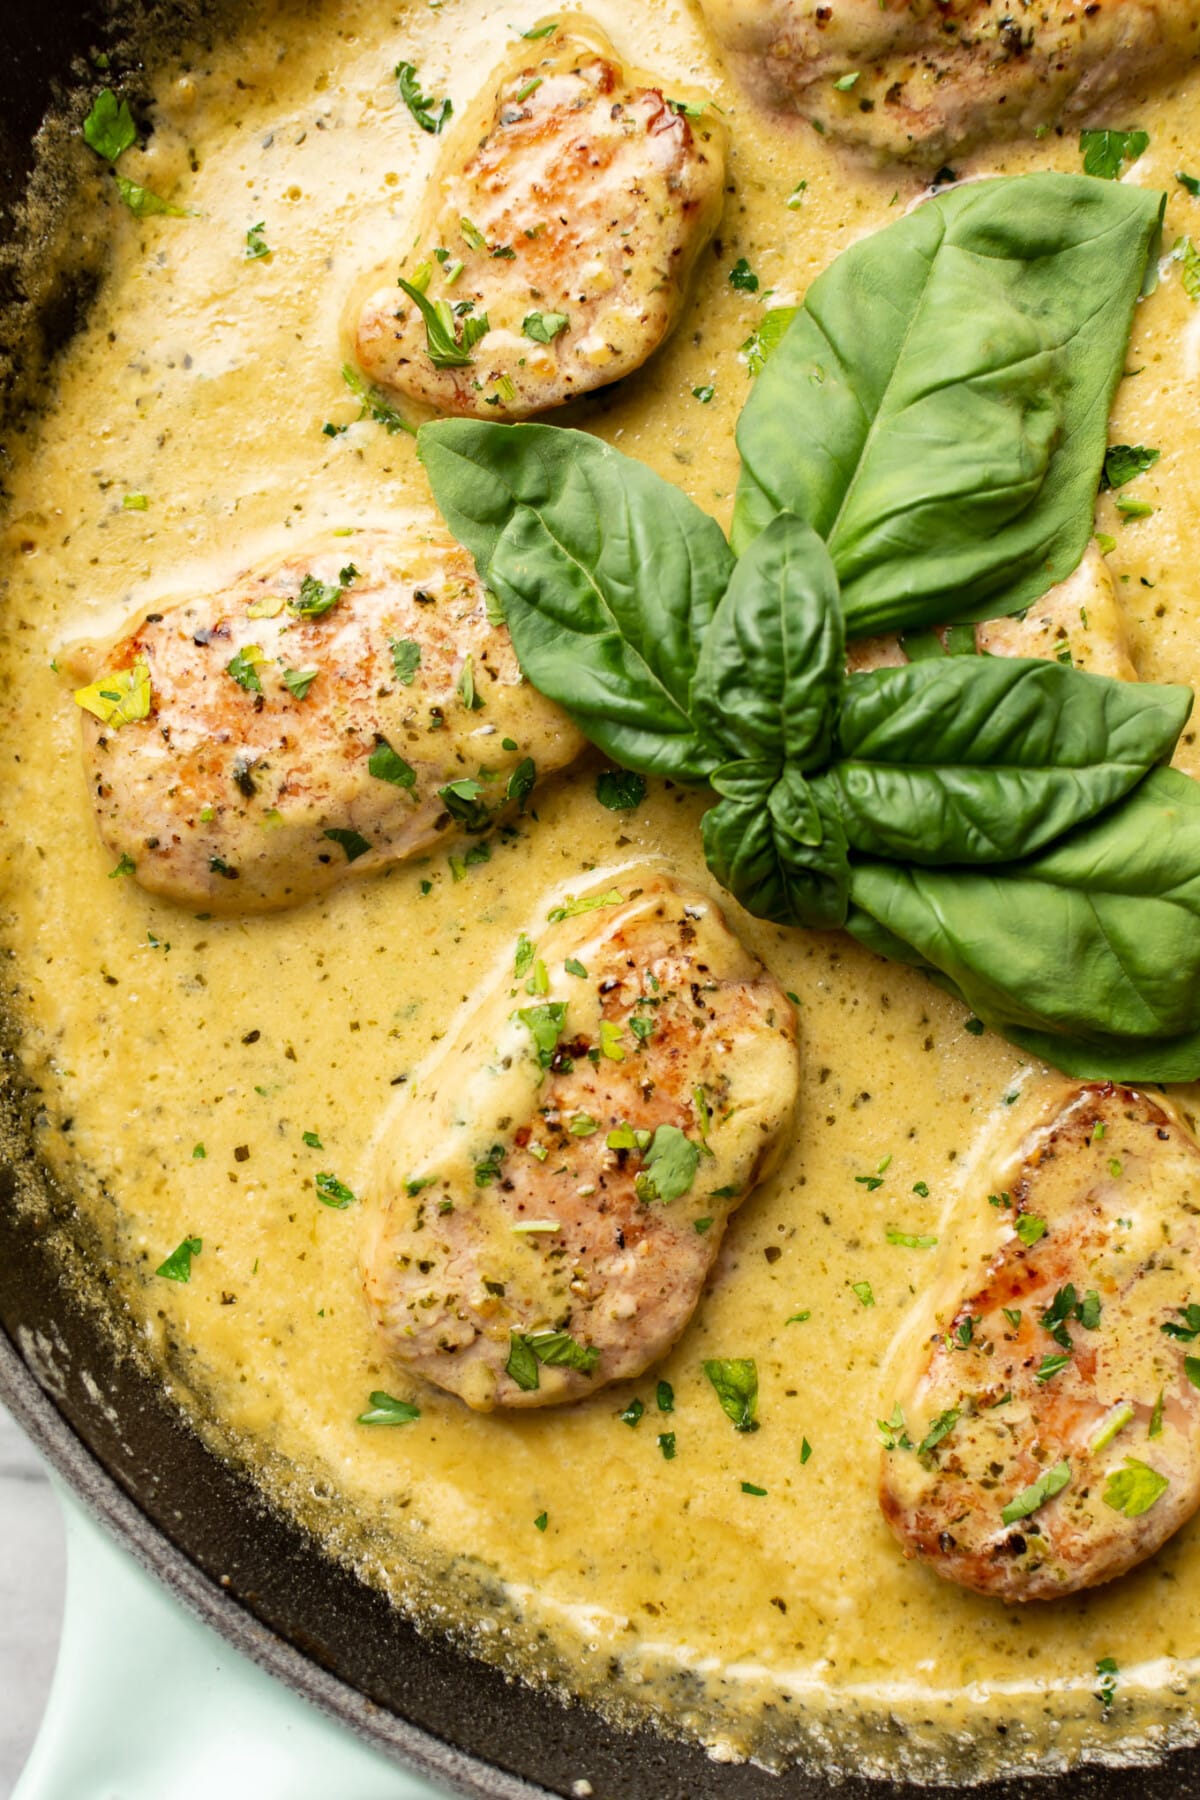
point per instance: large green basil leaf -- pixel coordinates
(1096, 942)
(776, 848)
(772, 666)
(988, 759)
(938, 408)
(608, 577)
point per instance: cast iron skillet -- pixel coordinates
(201, 1526)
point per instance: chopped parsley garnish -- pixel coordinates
(541, 1522)
(806, 1451)
(544, 1024)
(298, 681)
(964, 1333)
(664, 1397)
(571, 908)
(669, 1166)
(893, 1432)
(256, 244)
(795, 199)
(908, 1241)
(385, 1409)
(870, 1182)
(799, 1318)
(633, 1412)
(1051, 1366)
(941, 1428)
(431, 115)
(488, 1168)
(1030, 1230)
(332, 1192)
(316, 598)
(1124, 462)
(447, 348)
(574, 967)
(704, 394)
(1027, 1502)
(922, 1188)
(1105, 153)
(703, 1225)
(557, 1349)
(541, 31)
(621, 790)
(1191, 1368)
(199, 1153)
(1054, 1319)
(406, 659)
(352, 842)
(748, 1487)
(1190, 182)
(742, 277)
(666, 1443)
(1156, 1416)
(544, 327)
(844, 83)
(862, 1292)
(1012, 1314)
(521, 782)
(125, 866)
(373, 405)
(1134, 1489)
(582, 1124)
(242, 668)
(178, 1266)
(120, 697)
(109, 126)
(312, 1139)
(387, 765)
(735, 1383)
(463, 800)
(135, 503)
(766, 337)
(142, 203)
(1190, 1329)
(1107, 1670)
(466, 689)
(525, 952)
(642, 1029)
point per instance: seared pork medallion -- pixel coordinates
(1049, 1438)
(553, 252)
(923, 79)
(551, 1193)
(325, 715)
(1080, 621)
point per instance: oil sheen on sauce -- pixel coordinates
(190, 1056)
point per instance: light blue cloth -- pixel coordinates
(149, 1704)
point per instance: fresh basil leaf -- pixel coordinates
(387, 764)
(406, 659)
(938, 408)
(608, 576)
(544, 327)
(522, 1364)
(559, 1350)
(778, 847)
(988, 760)
(1088, 954)
(1134, 1489)
(770, 673)
(735, 1383)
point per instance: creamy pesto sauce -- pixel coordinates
(762, 1625)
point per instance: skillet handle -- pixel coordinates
(147, 1702)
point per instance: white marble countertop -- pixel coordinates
(31, 1596)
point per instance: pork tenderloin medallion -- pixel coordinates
(557, 239)
(549, 1196)
(323, 716)
(1047, 1437)
(926, 79)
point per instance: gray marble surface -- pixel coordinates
(32, 1570)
